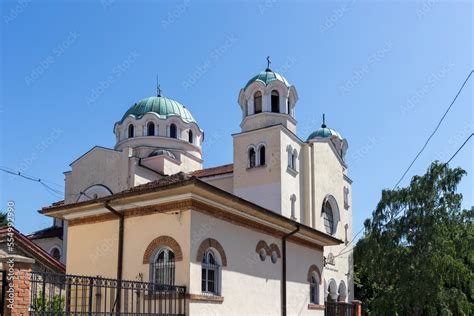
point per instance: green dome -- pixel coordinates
(266, 77)
(163, 107)
(324, 132)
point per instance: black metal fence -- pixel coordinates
(3, 285)
(56, 294)
(339, 309)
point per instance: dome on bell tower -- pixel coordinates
(268, 99)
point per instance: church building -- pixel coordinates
(269, 232)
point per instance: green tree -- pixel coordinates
(417, 254)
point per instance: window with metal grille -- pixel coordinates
(210, 273)
(164, 268)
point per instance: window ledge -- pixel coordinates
(292, 171)
(256, 167)
(315, 306)
(206, 298)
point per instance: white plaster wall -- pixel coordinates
(250, 286)
(224, 182)
(99, 166)
(290, 182)
(329, 179)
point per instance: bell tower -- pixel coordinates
(266, 150)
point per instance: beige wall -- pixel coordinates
(92, 248)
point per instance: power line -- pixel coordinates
(416, 157)
(459, 149)
(435, 130)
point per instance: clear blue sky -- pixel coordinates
(383, 72)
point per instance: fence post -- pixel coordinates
(17, 299)
(357, 305)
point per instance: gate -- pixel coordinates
(59, 294)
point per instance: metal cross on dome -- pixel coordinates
(158, 89)
(268, 62)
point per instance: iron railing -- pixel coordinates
(57, 294)
(338, 309)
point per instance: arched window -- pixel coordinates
(252, 158)
(56, 253)
(328, 218)
(210, 273)
(190, 136)
(314, 289)
(131, 130)
(163, 268)
(150, 129)
(288, 108)
(173, 131)
(275, 102)
(261, 155)
(257, 102)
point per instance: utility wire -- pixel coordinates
(416, 157)
(434, 131)
(459, 149)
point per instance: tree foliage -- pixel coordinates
(417, 254)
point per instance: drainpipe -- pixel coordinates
(283, 278)
(119, 254)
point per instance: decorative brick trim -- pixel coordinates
(268, 249)
(262, 244)
(211, 243)
(163, 241)
(314, 268)
(274, 247)
(202, 208)
(316, 306)
(206, 298)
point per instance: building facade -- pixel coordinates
(233, 233)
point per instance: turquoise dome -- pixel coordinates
(324, 132)
(266, 77)
(163, 107)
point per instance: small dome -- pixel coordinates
(266, 77)
(163, 107)
(324, 132)
(162, 152)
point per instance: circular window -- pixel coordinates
(263, 254)
(274, 257)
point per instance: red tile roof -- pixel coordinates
(214, 171)
(28, 246)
